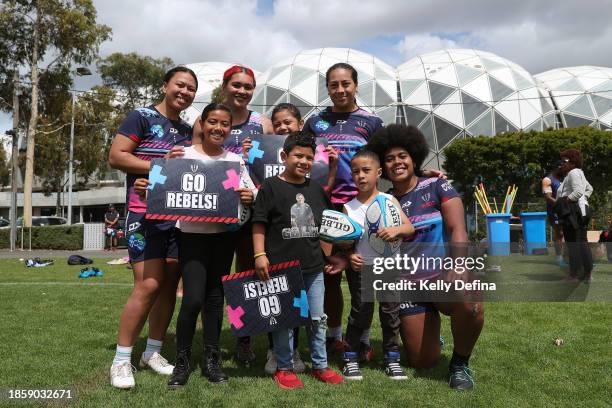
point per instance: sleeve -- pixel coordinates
(308, 126)
(575, 185)
(262, 203)
(134, 126)
(445, 190)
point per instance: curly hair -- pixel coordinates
(301, 139)
(574, 156)
(402, 136)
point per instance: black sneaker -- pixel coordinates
(461, 377)
(392, 367)
(351, 369)
(244, 354)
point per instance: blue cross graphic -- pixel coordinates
(155, 177)
(255, 152)
(302, 303)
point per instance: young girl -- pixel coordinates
(402, 150)
(147, 133)
(206, 251)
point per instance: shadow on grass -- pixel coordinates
(439, 372)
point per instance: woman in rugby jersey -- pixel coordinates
(147, 133)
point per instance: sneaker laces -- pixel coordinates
(123, 370)
(351, 367)
(158, 359)
(463, 373)
(394, 367)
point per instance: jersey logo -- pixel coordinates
(236, 131)
(446, 186)
(173, 130)
(426, 197)
(322, 125)
(157, 131)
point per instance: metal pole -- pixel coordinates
(14, 160)
(70, 163)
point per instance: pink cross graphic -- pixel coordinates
(321, 154)
(234, 315)
(232, 181)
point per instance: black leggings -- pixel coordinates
(204, 259)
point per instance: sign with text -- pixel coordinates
(255, 306)
(264, 159)
(193, 190)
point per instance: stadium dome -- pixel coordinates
(455, 93)
(300, 80)
(583, 95)
(210, 75)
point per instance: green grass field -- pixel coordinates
(58, 331)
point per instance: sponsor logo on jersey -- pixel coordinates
(157, 131)
(322, 125)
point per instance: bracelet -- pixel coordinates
(257, 255)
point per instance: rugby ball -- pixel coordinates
(382, 213)
(337, 226)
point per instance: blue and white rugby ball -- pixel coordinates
(337, 226)
(382, 213)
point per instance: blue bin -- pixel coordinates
(498, 234)
(534, 231)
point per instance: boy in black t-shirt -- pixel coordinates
(286, 222)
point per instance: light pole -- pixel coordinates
(81, 71)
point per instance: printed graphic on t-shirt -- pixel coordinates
(302, 220)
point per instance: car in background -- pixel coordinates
(43, 221)
(4, 222)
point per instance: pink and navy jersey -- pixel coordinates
(252, 126)
(422, 205)
(346, 133)
(155, 135)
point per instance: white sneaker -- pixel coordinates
(157, 363)
(121, 375)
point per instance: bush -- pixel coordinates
(524, 158)
(67, 237)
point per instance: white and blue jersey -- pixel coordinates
(252, 126)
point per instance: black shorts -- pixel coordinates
(150, 239)
(415, 308)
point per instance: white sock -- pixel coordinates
(335, 332)
(123, 354)
(152, 347)
(365, 337)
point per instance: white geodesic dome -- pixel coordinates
(210, 76)
(455, 93)
(300, 80)
(583, 95)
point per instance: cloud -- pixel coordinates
(412, 45)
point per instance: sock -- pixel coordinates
(152, 347)
(334, 332)
(365, 337)
(123, 354)
(458, 359)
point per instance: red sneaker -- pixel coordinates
(327, 375)
(287, 380)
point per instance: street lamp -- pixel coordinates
(80, 71)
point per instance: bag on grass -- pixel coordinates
(79, 260)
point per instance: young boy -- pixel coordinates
(286, 222)
(365, 171)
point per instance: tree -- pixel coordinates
(62, 32)
(4, 168)
(523, 158)
(217, 94)
(94, 116)
(137, 78)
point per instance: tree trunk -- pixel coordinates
(29, 171)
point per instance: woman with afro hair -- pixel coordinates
(434, 207)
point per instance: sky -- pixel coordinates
(538, 35)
